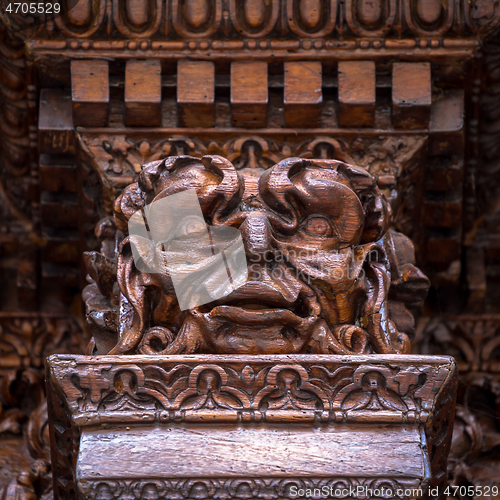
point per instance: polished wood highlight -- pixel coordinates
(326, 218)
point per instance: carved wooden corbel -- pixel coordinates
(307, 354)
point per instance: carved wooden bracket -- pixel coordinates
(217, 426)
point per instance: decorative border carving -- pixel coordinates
(209, 18)
(303, 389)
(473, 340)
(236, 488)
(247, 389)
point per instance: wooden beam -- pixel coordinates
(143, 93)
(90, 93)
(56, 132)
(196, 93)
(249, 94)
(411, 95)
(302, 95)
(356, 93)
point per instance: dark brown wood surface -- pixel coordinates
(195, 93)
(58, 182)
(356, 93)
(90, 93)
(267, 422)
(143, 93)
(302, 93)
(328, 275)
(249, 94)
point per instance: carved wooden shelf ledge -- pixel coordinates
(244, 426)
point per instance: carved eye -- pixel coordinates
(191, 227)
(318, 226)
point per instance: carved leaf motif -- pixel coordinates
(289, 388)
(374, 393)
(248, 374)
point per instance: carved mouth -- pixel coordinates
(257, 303)
(245, 316)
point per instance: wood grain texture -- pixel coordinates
(90, 92)
(338, 217)
(356, 93)
(143, 93)
(195, 93)
(302, 93)
(56, 131)
(411, 95)
(444, 200)
(310, 19)
(253, 452)
(260, 419)
(249, 94)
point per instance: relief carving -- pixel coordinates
(192, 19)
(206, 393)
(328, 273)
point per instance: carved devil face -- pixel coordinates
(318, 255)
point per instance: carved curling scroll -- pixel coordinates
(326, 274)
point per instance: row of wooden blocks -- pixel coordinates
(302, 97)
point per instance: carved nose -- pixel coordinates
(256, 234)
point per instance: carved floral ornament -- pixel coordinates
(326, 275)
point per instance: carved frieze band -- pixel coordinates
(119, 157)
(156, 489)
(245, 389)
(255, 19)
